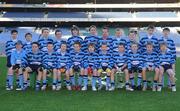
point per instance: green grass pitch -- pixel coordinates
(64, 100)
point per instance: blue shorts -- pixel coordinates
(8, 61)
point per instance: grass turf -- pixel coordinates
(64, 100)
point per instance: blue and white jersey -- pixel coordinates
(88, 40)
(91, 59)
(170, 45)
(120, 58)
(17, 57)
(135, 60)
(43, 43)
(105, 59)
(108, 41)
(72, 40)
(27, 46)
(129, 43)
(117, 41)
(166, 58)
(57, 44)
(63, 60)
(49, 60)
(77, 58)
(33, 58)
(153, 39)
(150, 59)
(10, 47)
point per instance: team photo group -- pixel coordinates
(93, 62)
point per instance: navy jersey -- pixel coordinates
(91, 59)
(166, 58)
(170, 45)
(150, 59)
(57, 44)
(117, 41)
(105, 59)
(77, 58)
(153, 40)
(120, 59)
(43, 43)
(63, 60)
(49, 60)
(72, 40)
(135, 60)
(27, 46)
(33, 58)
(108, 41)
(10, 46)
(88, 40)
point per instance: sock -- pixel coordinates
(10, 79)
(112, 84)
(44, 82)
(132, 81)
(108, 81)
(38, 84)
(25, 84)
(80, 79)
(99, 81)
(154, 83)
(54, 82)
(85, 79)
(72, 78)
(20, 76)
(17, 81)
(139, 80)
(127, 84)
(67, 82)
(145, 83)
(94, 78)
(59, 82)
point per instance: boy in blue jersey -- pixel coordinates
(28, 47)
(105, 39)
(44, 40)
(131, 39)
(120, 59)
(75, 38)
(9, 48)
(149, 38)
(16, 61)
(90, 64)
(135, 64)
(171, 47)
(166, 60)
(77, 61)
(105, 64)
(92, 38)
(150, 59)
(49, 64)
(58, 40)
(32, 62)
(118, 39)
(63, 66)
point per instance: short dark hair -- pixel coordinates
(132, 31)
(50, 43)
(63, 43)
(14, 31)
(91, 44)
(166, 29)
(106, 28)
(149, 43)
(57, 31)
(28, 34)
(121, 44)
(150, 27)
(78, 43)
(36, 43)
(92, 26)
(44, 30)
(163, 43)
(134, 43)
